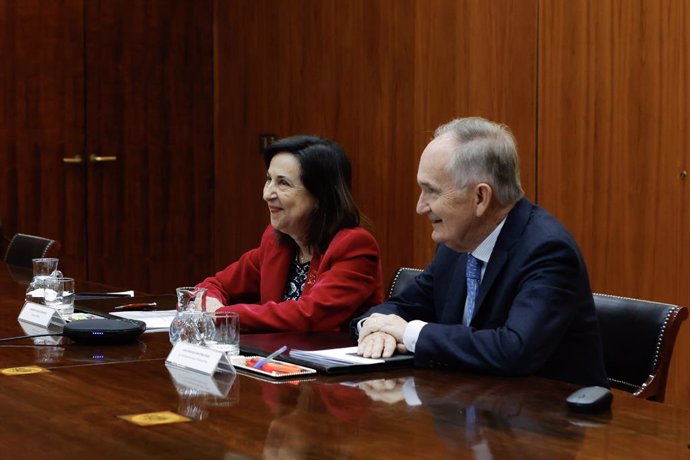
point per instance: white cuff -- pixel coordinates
(411, 334)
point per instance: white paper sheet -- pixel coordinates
(347, 355)
(156, 321)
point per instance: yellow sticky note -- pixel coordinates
(23, 370)
(155, 418)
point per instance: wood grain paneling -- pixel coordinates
(613, 130)
(377, 77)
(678, 391)
(42, 121)
(475, 58)
(118, 78)
(150, 103)
(342, 70)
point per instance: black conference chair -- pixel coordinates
(638, 338)
(402, 277)
(23, 248)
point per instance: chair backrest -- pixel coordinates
(638, 338)
(22, 248)
(401, 279)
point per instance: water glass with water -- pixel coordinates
(59, 294)
(227, 332)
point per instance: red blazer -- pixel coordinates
(341, 283)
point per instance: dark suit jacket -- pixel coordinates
(534, 313)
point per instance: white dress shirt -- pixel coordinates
(481, 252)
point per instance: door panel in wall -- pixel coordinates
(150, 120)
(42, 123)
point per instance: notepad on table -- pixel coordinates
(334, 356)
(156, 321)
(345, 360)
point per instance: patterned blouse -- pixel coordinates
(296, 279)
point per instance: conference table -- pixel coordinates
(123, 402)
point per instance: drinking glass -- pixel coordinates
(227, 332)
(59, 294)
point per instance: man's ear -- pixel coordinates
(483, 195)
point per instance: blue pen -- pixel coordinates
(270, 357)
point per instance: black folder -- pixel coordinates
(265, 344)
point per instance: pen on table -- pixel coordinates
(281, 368)
(275, 366)
(270, 357)
(137, 306)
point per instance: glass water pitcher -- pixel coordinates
(191, 324)
(44, 269)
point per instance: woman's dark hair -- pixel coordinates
(327, 174)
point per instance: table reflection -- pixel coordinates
(295, 433)
(198, 392)
(487, 419)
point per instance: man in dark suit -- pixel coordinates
(508, 291)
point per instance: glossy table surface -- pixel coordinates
(74, 410)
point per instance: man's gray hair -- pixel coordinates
(485, 152)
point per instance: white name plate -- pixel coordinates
(198, 358)
(207, 384)
(40, 315)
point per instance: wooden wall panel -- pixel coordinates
(116, 78)
(342, 70)
(150, 104)
(377, 77)
(42, 121)
(613, 130)
(475, 58)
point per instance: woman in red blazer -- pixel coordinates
(315, 267)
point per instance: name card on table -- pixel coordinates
(219, 385)
(198, 358)
(32, 329)
(40, 315)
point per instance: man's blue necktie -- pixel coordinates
(473, 274)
